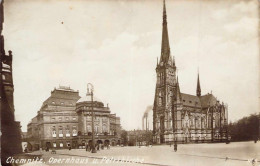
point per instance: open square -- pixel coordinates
(233, 154)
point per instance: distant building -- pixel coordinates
(63, 121)
(139, 137)
(183, 117)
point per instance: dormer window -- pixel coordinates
(190, 101)
(183, 100)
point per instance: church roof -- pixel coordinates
(190, 100)
(195, 101)
(208, 100)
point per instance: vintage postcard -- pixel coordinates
(130, 82)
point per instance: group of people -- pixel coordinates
(98, 146)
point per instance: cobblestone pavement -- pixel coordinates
(217, 154)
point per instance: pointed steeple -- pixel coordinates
(178, 91)
(165, 49)
(173, 61)
(198, 86)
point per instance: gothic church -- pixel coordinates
(183, 117)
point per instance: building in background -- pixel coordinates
(106, 125)
(139, 137)
(63, 122)
(183, 117)
(10, 129)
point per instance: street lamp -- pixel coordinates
(90, 89)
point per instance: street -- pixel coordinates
(233, 154)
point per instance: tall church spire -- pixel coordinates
(198, 86)
(165, 50)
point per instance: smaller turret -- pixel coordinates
(198, 92)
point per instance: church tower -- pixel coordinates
(165, 88)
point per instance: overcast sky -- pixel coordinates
(114, 45)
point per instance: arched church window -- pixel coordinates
(160, 99)
(170, 96)
(202, 122)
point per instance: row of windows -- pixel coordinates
(98, 118)
(67, 133)
(190, 101)
(54, 144)
(66, 118)
(62, 103)
(97, 129)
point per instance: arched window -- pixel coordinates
(209, 121)
(54, 131)
(96, 129)
(104, 128)
(89, 128)
(203, 122)
(67, 131)
(160, 99)
(74, 131)
(198, 122)
(60, 132)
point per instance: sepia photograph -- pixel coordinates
(130, 82)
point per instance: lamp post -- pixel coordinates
(90, 88)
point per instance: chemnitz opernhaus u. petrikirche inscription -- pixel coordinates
(183, 117)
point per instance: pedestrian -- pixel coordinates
(86, 147)
(175, 147)
(97, 145)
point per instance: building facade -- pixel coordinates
(62, 122)
(10, 128)
(183, 117)
(139, 137)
